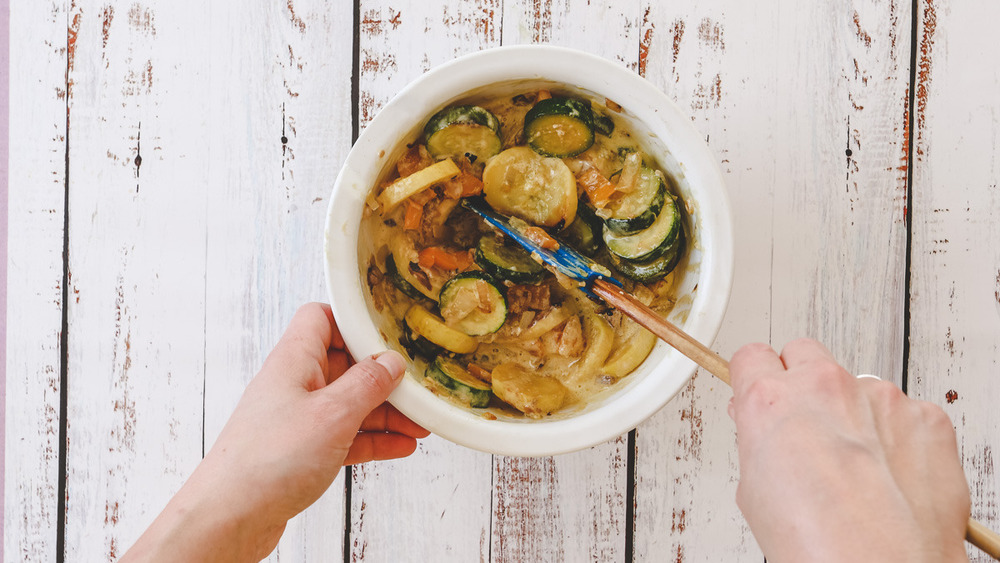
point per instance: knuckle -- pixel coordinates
(371, 375)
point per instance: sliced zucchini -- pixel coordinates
(560, 127)
(473, 302)
(417, 345)
(463, 130)
(532, 394)
(398, 191)
(459, 382)
(433, 328)
(650, 270)
(637, 209)
(604, 125)
(651, 242)
(539, 190)
(632, 352)
(399, 281)
(507, 261)
(583, 234)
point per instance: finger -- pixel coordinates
(365, 385)
(804, 351)
(337, 339)
(338, 361)
(310, 330)
(386, 418)
(370, 446)
(750, 363)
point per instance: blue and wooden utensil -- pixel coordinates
(596, 280)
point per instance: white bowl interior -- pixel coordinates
(667, 136)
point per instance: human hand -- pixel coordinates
(306, 413)
(833, 468)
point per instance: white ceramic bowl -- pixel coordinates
(667, 135)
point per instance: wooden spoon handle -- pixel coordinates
(976, 533)
(663, 328)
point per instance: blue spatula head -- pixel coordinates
(564, 259)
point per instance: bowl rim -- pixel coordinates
(634, 402)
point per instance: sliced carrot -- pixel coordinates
(543, 95)
(598, 188)
(414, 212)
(480, 373)
(435, 256)
(541, 238)
(470, 185)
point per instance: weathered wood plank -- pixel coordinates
(820, 246)
(36, 191)
(280, 127)
(138, 158)
(955, 262)
(569, 507)
(435, 506)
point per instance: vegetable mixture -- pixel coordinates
(490, 327)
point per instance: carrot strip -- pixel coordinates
(598, 188)
(443, 258)
(543, 95)
(471, 185)
(541, 238)
(414, 212)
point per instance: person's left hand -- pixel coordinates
(306, 413)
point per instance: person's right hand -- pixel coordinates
(834, 468)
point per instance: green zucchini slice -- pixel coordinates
(463, 130)
(417, 345)
(432, 327)
(638, 209)
(560, 127)
(651, 242)
(507, 261)
(539, 190)
(459, 382)
(473, 303)
(650, 270)
(604, 125)
(583, 234)
(399, 281)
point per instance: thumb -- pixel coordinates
(367, 384)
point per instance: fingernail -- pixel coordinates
(393, 362)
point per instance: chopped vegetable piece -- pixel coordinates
(473, 303)
(604, 125)
(480, 373)
(414, 211)
(637, 206)
(599, 337)
(540, 190)
(463, 130)
(532, 394)
(541, 238)
(507, 261)
(436, 256)
(630, 354)
(543, 95)
(433, 328)
(417, 345)
(459, 382)
(560, 127)
(583, 234)
(651, 242)
(650, 270)
(396, 192)
(399, 281)
(598, 188)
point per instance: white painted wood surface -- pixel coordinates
(189, 262)
(954, 354)
(37, 188)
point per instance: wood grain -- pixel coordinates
(137, 184)
(436, 504)
(279, 128)
(954, 350)
(820, 247)
(570, 507)
(36, 191)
